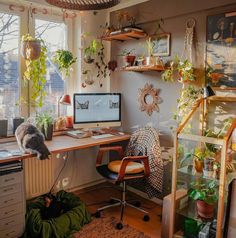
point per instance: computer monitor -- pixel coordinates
(93, 110)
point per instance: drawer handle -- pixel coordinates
(7, 189)
(10, 179)
(9, 212)
(6, 201)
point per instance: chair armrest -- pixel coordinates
(103, 150)
(128, 159)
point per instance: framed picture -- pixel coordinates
(161, 44)
(221, 51)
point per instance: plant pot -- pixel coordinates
(88, 59)
(129, 59)
(150, 60)
(205, 210)
(208, 167)
(3, 127)
(31, 49)
(49, 133)
(208, 173)
(198, 165)
(16, 122)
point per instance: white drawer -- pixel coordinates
(15, 188)
(10, 199)
(8, 223)
(14, 232)
(11, 210)
(12, 178)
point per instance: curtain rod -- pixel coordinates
(185, 14)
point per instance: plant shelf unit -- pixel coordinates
(145, 68)
(123, 36)
(182, 176)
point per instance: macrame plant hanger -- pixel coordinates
(188, 40)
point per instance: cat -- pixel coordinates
(31, 140)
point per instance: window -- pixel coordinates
(9, 66)
(54, 36)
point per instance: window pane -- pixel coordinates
(9, 67)
(54, 36)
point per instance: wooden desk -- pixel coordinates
(64, 143)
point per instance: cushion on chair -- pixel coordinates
(131, 168)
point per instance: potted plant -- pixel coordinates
(182, 71)
(150, 49)
(35, 75)
(44, 122)
(64, 59)
(90, 51)
(30, 47)
(205, 195)
(129, 58)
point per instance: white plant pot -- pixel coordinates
(150, 60)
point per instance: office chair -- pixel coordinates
(120, 171)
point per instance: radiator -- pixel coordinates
(39, 176)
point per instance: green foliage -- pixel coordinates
(64, 59)
(93, 47)
(28, 37)
(206, 192)
(150, 47)
(35, 75)
(43, 121)
(179, 70)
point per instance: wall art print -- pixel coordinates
(221, 50)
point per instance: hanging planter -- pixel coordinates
(30, 47)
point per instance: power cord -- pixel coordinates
(64, 165)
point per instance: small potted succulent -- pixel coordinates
(205, 195)
(44, 122)
(64, 59)
(129, 58)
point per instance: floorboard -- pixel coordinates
(99, 196)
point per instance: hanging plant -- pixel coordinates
(30, 47)
(64, 59)
(182, 71)
(35, 75)
(91, 50)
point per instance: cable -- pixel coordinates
(65, 162)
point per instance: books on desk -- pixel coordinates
(79, 134)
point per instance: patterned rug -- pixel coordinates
(105, 228)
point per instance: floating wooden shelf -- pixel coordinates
(222, 98)
(123, 36)
(145, 68)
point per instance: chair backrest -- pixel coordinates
(145, 141)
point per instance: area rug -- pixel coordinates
(105, 228)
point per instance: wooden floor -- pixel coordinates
(100, 196)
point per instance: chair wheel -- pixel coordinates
(119, 226)
(97, 214)
(146, 218)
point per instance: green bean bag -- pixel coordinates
(62, 226)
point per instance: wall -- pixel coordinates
(175, 14)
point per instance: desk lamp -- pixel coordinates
(65, 100)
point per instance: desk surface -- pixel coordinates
(64, 143)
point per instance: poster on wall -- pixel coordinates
(221, 50)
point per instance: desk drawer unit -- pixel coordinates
(12, 203)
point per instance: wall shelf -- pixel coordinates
(123, 36)
(145, 68)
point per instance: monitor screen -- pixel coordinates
(97, 108)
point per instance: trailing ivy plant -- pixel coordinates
(34, 76)
(64, 59)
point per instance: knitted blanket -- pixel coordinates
(145, 141)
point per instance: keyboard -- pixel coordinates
(102, 136)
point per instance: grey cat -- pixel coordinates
(31, 140)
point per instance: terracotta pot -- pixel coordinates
(205, 210)
(129, 59)
(31, 49)
(198, 164)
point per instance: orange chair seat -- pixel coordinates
(131, 168)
